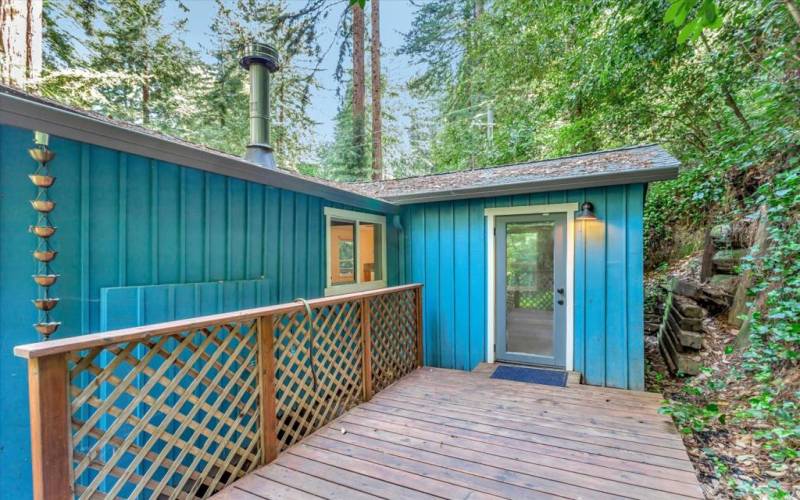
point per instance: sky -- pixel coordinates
(396, 18)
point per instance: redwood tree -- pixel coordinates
(375, 62)
(358, 87)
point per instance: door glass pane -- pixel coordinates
(342, 252)
(529, 287)
(370, 251)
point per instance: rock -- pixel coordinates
(688, 308)
(694, 324)
(740, 297)
(726, 282)
(715, 299)
(721, 234)
(711, 297)
(689, 364)
(742, 340)
(680, 362)
(706, 261)
(726, 261)
(688, 339)
(686, 288)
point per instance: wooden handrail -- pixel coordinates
(236, 381)
(139, 333)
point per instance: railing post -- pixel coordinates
(366, 337)
(50, 427)
(418, 311)
(266, 373)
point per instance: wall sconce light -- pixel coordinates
(586, 212)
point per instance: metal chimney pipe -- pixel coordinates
(260, 60)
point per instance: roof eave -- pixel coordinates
(23, 113)
(640, 176)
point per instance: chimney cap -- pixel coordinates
(262, 53)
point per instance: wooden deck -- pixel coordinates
(452, 434)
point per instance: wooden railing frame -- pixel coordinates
(269, 424)
(366, 342)
(51, 438)
(49, 398)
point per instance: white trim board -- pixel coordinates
(491, 213)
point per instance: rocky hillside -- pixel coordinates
(722, 336)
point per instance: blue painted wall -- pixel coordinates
(128, 221)
(125, 221)
(445, 246)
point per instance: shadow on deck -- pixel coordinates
(453, 434)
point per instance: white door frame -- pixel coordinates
(491, 213)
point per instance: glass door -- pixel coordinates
(531, 305)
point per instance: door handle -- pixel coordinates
(560, 302)
(560, 291)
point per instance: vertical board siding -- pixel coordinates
(616, 330)
(446, 251)
(128, 221)
(447, 257)
(476, 317)
(635, 285)
(595, 270)
(430, 264)
(461, 263)
(124, 307)
(579, 289)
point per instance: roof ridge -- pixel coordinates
(506, 165)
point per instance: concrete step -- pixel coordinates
(727, 261)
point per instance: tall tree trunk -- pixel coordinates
(475, 97)
(146, 100)
(375, 62)
(478, 8)
(358, 89)
(20, 41)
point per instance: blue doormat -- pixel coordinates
(531, 375)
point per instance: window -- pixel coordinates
(356, 251)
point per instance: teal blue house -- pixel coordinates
(536, 263)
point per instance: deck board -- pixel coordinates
(451, 434)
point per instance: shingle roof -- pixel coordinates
(602, 168)
(24, 110)
(638, 164)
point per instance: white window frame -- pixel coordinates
(357, 218)
(492, 213)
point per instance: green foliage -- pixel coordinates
(341, 160)
(775, 327)
(128, 65)
(581, 87)
(221, 119)
(771, 360)
(691, 417)
(740, 164)
(707, 16)
(134, 67)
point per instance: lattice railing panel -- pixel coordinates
(173, 416)
(318, 370)
(393, 322)
(182, 409)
